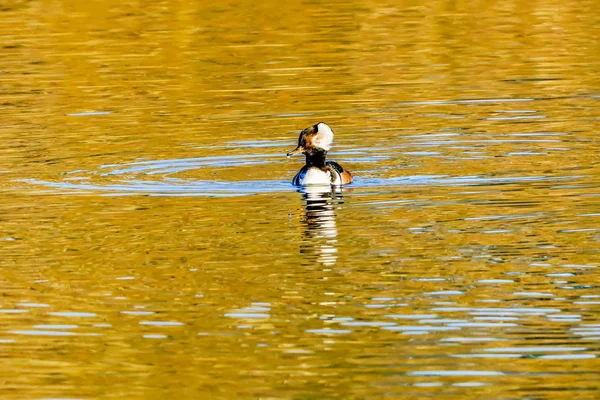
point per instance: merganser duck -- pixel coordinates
(315, 142)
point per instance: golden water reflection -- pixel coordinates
(151, 244)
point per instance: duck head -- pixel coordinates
(316, 138)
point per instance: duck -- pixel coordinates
(314, 142)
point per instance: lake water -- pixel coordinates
(152, 246)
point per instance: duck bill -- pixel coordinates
(297, 150)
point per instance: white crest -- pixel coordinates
(324, 136)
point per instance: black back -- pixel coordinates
(335, 166)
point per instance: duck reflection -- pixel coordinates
(320, 235)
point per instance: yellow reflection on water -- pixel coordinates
(152, 246)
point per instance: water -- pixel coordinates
(152, 244)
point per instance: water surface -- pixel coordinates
(152, 245)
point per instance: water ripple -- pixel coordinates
(216, 188)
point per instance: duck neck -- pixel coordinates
(316, 158)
